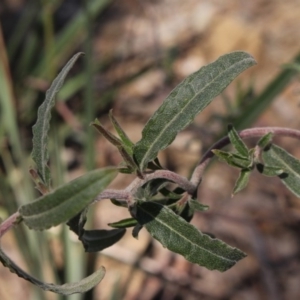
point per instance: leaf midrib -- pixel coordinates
(175, 117)
(286, 165)
(184, 237)
(44, 133)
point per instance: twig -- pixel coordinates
(9, 223)
(245, 134)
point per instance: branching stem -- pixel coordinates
(244, 134)
(190, 187)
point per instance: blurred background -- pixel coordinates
(136, 53)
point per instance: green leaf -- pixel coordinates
(242, 181)
(77, 223)
(237, 142)
(275, 156)
(94, 240)
(122, 148)
(125, 223)
(119, 202)
(97, 240)
(127, 143)
(188, 99)
(66, 289)
(40, 130)
(183, 238)
(196, 205)
(186, 212)
(263, 101)
(233, 159)
(269, 171)
(292, 66)
(265, 140)
(66, 201)
(175, 194)
(70, 37)
(154, 165)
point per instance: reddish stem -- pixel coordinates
(245, 134)
(9, 223)
(189, 186)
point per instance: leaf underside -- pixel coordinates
(66, 201)
(66, 289)
(188, 99)
(275, 156)
(183, 238)
(94, 240)
(41, 128)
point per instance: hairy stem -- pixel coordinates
(128, 193)
(165, 174)
(9, 223)
(189, 186)
(245, 134)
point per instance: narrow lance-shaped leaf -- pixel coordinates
(233, 159)
(125, 223)
(94, 240)
(242, 181)
(188, 99)
(265, 140)
(196, 205)
(127, 143)
(117, 143)
(97, 240)
(66, 289)
(275, 156)
(237, 142)
(187, 212)
(183, 238)
(66, 201)
(40, 130)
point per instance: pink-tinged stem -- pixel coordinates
(164, 174)
(9, 223)
(244, 134)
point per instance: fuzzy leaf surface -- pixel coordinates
(188, 99)
(275, 156)
(265, 140)
(66, 201)
(183, 238)
(233, 159)
(237, 142)
(117, 143)
(269, 171)
(196, 205)
(127, 143)
(66, 289)
(41, 128)
(242, 181)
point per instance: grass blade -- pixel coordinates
(261, 102)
